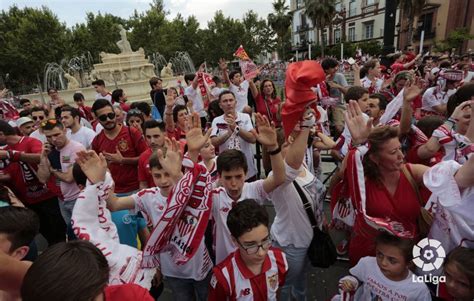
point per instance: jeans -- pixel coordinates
(188, 289)
(66, 208)
(296, 280)
(52, 225)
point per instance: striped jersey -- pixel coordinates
(232, 279)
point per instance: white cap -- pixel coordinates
(23, 120)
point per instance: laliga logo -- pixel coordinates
(428, 254)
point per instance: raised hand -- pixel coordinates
(230, 119)
(355, 121)
(169, 99)
(265, 133)
(202, 67)
(170, 159)
(94, 166)
(194, 137)
(459, 110)
(412, 90)
(222, 64)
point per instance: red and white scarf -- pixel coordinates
(91, 221)
(355, 172)
(183, 224)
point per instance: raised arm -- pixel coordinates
(296, 151)
(194, 137)
(223, 67)
(410, 92)
(266, 135)
(170, 102)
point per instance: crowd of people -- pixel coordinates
(132, 198)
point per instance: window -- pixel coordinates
(325, 37)
(338, 6)
(370, 2)
(352, 34)
(368, 30)
(352, 9)
(337, 36)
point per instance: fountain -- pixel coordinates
(128, 70)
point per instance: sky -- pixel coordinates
(74, 11)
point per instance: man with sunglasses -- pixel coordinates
(121, 147)
(255, 271)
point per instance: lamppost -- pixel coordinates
(397, 28)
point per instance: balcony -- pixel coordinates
(429, 34)
(303, 27)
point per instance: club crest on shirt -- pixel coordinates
(272, 281)
(123, 145)
(66, 159)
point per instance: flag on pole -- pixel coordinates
(248, 67)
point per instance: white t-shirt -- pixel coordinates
(196, 98)
(376, 87)
(108, 96)
(67, 157)
(84, 136)
(432, 98)
(376, 286)
(220, 127)
(216, 91)
(453, 223)
(221, 205)
(241, 93)
(291, 225)
(152, 204)
(451, 142)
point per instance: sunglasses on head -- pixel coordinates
(37, 117)
(49, 121)
(110, 116)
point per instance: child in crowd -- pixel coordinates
(18, 228)
(386, 276)
(255, 271)
(459, 271)
(76, 270)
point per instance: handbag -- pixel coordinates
(321, 251)
(425, 219)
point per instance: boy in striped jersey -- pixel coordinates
(255, 271)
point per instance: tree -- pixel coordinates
(258, 37)
(99, 33)
(280, 21)
(30, 38)
(321, 13)
(411, 10)
(455, 39)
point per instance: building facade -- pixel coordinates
(355, 21)
(437, 20)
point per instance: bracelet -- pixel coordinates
(356, 145)
(453, 120)
(275, 152)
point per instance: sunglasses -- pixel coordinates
(38, 117)
(49, 121)
(104, 117)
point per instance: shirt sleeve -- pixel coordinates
(360, 269)
(342, 80)
(246, 122)
(214, 129)
(35, 146)
(257, 192)
(217, 290)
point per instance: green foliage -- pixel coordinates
(30, 38)
(280, 21)
(373, 47)
(321, 13)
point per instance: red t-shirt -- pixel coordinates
(127, 292)
(397, 67)
(24, 182)
(144, 174)
(125, 106)
(131, 144)
(266, 107)
(232, 279)
(86, 112)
